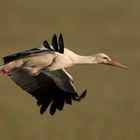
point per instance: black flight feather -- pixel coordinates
(61, 44)
(45, 90)
(46, 45)
(55, 43)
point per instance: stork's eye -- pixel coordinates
(105, 58)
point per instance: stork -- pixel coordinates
(41, 72)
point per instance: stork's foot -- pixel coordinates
(83, 95)
(79, 98)
(5, 70)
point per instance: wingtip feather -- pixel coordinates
(61, 43)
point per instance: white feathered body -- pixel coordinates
(50, 60)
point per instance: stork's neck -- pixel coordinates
(73, 58)
(85, 59)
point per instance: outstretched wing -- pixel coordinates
(45, 47)
(23, 54)
(53, 88)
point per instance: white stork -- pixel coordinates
(41, 72)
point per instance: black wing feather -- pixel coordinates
(61, 44)
(19, 55)
(44, 89)
(46, 45)
(55, 43)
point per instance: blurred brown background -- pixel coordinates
(111, 110)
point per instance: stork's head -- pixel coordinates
(102, 58)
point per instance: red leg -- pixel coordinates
(5, 70)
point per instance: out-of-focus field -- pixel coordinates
(111, 110)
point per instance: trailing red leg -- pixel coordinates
(5, 70)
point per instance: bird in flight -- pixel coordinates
(41, 72)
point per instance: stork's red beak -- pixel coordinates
(115, 63)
